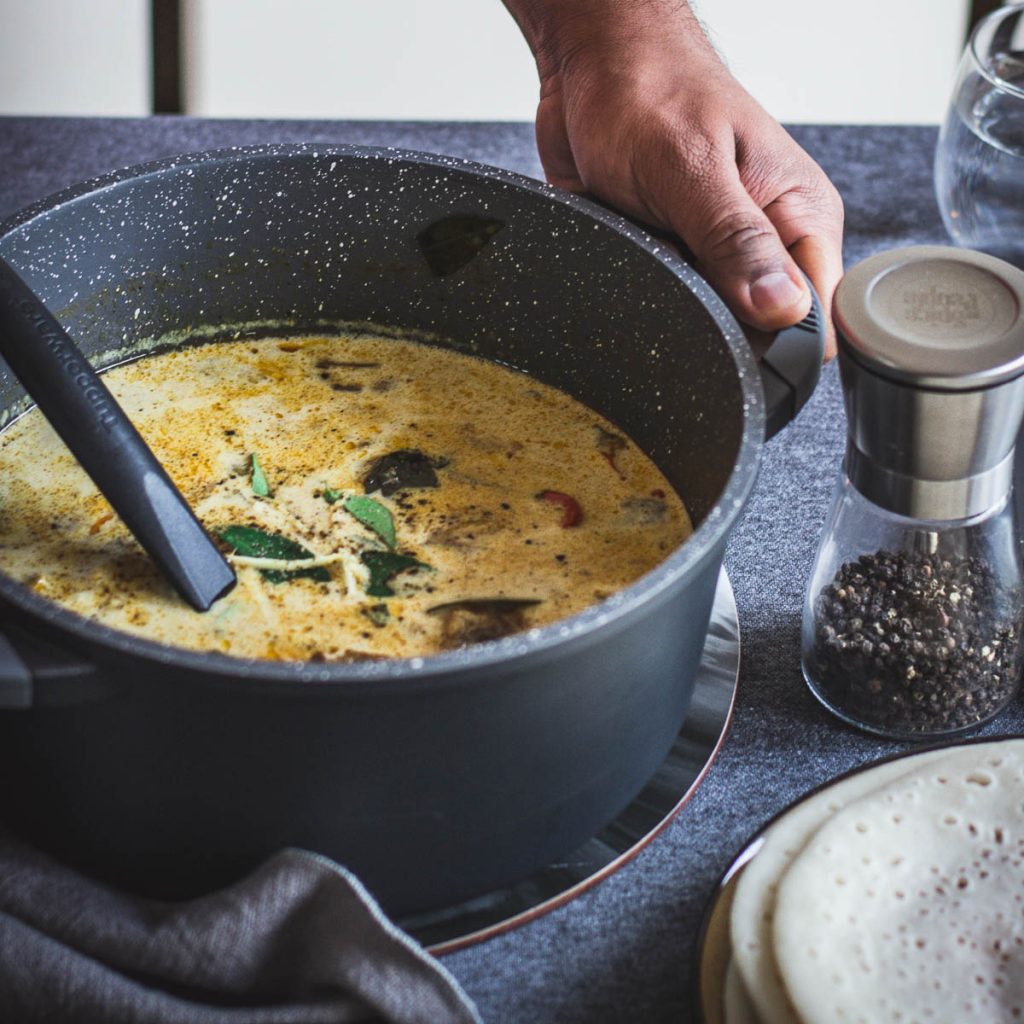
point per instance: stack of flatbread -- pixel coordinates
(895, 895)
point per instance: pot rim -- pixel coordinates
(685, 560)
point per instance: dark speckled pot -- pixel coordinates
(434, 779)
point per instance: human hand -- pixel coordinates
(637, 109)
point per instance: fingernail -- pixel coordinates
(775, 292)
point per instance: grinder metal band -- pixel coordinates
(931, 349)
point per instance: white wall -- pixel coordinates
(416, 59)
(881, 61)
(75, 57)
(806, 60)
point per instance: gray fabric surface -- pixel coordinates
(624, 950)
(299, 941)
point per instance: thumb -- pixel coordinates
(740, 252)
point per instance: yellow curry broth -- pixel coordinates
(540, 506)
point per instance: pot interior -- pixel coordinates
(300, 239)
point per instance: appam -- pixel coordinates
(907, 904)
(754, 903)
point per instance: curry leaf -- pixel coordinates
(330, 495)
(258, 481)
(256, 543)
(373, 514)
(383, 565)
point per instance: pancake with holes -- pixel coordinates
(908, 904)
(753, 907)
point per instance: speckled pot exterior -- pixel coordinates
(435, 779)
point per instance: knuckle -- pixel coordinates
(823, 195)
(808, 208)
(819, 195)
(739, 232)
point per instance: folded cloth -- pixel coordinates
(299, 941)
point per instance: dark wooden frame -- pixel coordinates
(167, 56)
(979, 8)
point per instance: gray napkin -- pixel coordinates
(299, 941)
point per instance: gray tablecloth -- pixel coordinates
(624, 950)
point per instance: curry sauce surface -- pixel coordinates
(540, 507)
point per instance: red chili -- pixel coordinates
(571, 511)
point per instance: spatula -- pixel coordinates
(78, 405)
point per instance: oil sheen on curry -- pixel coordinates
(376, 497)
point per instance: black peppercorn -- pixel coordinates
(913, 643)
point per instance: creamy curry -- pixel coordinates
(376, 497)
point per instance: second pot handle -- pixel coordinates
(39, 675)
(15, 678)
(791, 366)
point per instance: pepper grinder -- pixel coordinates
(912, 621)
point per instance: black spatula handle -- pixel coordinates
(88, 419)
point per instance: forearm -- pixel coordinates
(557, 31)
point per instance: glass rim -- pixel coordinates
(972, 48)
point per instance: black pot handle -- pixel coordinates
(791, 366)
(35, 676)
(15, 678)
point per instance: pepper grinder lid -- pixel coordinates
(931, 353)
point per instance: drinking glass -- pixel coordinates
(979, 161)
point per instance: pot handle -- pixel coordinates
(791, 366)
(34, 676)
(15, 678)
